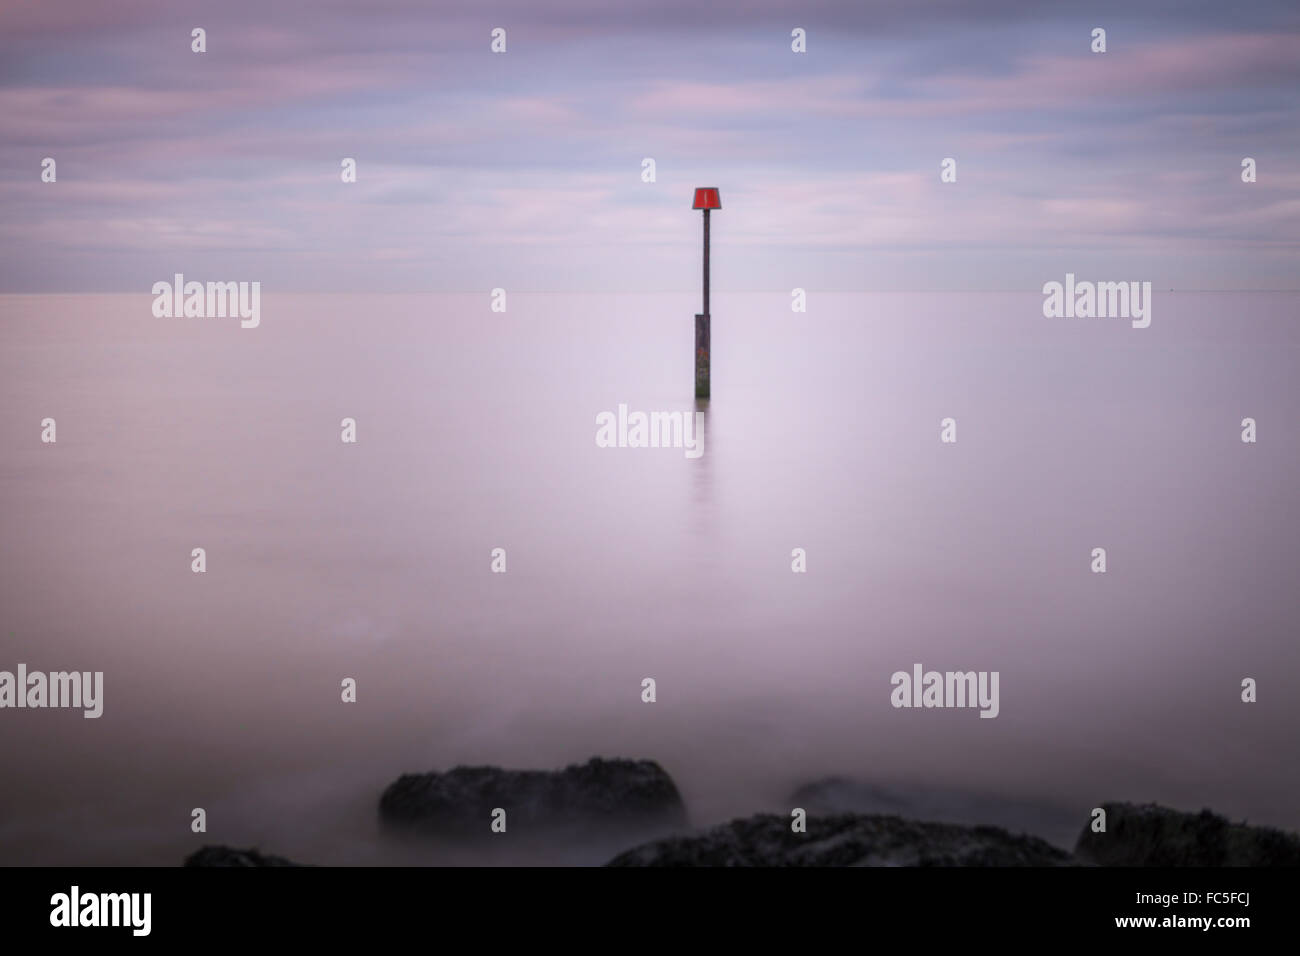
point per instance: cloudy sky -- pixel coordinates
(523, 170)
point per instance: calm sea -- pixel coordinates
(476, 431)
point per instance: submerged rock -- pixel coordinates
(601, 794)
(1152, 835)
(229, 856)
(845, 840)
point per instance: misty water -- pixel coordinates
(476, 431)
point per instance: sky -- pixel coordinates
(523, 170)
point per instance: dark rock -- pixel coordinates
(845, 840)
(1057, 825)
(229, 856)
(600, 794)
(1152, 835)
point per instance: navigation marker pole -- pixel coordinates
(707, 198)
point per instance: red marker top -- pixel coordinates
(707, 197)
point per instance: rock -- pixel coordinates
(229, 856)
(1152, 835)
(845, 840)
(1057, 825)
(600, 794)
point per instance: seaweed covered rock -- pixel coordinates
(1152, 835)
(845, 840)
(229, 856)
(600, 794)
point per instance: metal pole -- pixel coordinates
(702, 330)
(706, 262)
